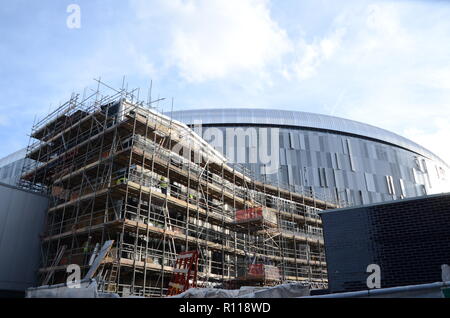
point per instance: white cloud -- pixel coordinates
(379, 62)
(215, 39)
(385, 63)
(389, 70)
(311, 56)
(435, 140)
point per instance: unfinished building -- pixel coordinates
(115, 169)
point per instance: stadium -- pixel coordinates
(333, 158)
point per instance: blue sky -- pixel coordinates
(386, 63)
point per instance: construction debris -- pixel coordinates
(87, 289)
(117, 170)
(281, 291)
(84, 288)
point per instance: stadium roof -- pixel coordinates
(273, 117)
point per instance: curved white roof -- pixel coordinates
(256, 116)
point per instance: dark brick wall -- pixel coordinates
(408, 239)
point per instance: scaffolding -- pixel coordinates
(116, 169)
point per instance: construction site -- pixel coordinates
(178, 213)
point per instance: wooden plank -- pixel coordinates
(98, 260)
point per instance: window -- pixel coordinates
(390, 185)
(424, 166)
(417, 163)
(339, 179)
(350, 155)
(290, 175)
(302, 142)
(291, 140)
(323, 178)
(402, 188)
(370, 182)
(338, 161)
(348, 195)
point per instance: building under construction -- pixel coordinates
(116, 169)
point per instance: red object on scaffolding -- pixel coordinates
(249, 214)
(185, 271)
(263, 271)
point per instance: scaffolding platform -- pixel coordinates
(116, 169)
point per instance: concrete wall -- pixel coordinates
(22, 221)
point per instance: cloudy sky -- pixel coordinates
(386, 63)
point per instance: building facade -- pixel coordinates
(335, 159)
(22, 222)
(11, 167)
(408, 239)
(118, 171)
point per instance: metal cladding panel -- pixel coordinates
(22, 221)
(257, 116)
(20, 154)
(408, 239)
